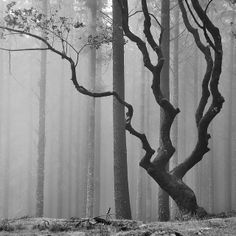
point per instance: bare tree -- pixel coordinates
(171, 181)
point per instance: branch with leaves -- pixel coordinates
(24, 22)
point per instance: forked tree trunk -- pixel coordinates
(171, 181)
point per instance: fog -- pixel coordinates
(67, 127)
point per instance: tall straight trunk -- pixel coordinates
(2, 159)
(141, 191)
(7, 159)
(98, 137)
(195, 101)
(41, 134)
(147, 126)
(233, 140)
(211, 195)
(163, 197)
(61, 137)
(78, 162)
(230, 120)
(175, 98)
(122, 201)
(92, 5)
(30, 148)
(70, 156)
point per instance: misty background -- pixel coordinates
(67, 123)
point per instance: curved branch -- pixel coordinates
(134, 38)
(202, 144)
(147, 31)
(83, 90)
(207, 53)
(23, 49)
(152, 15)
(208, 4)
(129, 114)
(192, 14)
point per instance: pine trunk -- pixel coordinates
(92, 5)
(122, 201)
(41, 135)
(163, 197)
(175, 98)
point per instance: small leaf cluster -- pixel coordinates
(32, 20)
(102, 36)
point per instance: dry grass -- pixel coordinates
(84, 227)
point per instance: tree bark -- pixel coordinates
(175, 98)
(230, 119)
(98, 137)
(61, 147)
(42, 135)
(92, 5)
(7, 159)
(122, 201)
(141, 191)
(172, 182)
(163, 197)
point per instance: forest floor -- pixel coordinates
(218, 225)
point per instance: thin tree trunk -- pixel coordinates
(70, 156)
(60, 164)
(78, 180)
(230, 119)
(122, 201)
(98, 137)
(163, 197)
(141, 182)
(175, 98)
(92, 5)
(42, 135)
(195, 100)
(30, 148)
(147, 126)
(7, 158)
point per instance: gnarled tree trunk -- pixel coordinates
(171, 181)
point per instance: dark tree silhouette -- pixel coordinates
(171, 181)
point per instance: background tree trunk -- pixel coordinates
(98, 137)
(61, 141)
(163, 197)
(92, 6)
(7, 159)
(141, 191)
(175, 97)
(230, 117)
(42, 135)
(122, 201)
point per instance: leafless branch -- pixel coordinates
(192, 14)
(23, 49)
(208, 4)
(152, 15)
